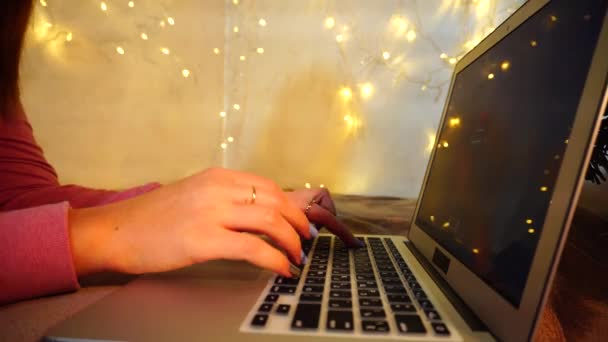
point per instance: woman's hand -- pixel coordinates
(321, 210)
(203, 217)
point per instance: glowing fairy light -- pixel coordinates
(185, 73)
(367, 90)
(386, 55)
(131, 4)
(307, 186)
(260, 50)
(120, 50)
(43, 3)
(230, 139)
(242, 58)
(531, 230)
(236, 106)
(529, 221)
(144, 36)
(410, 36)
(235, 2)
(235, 29)
(223, 114)
(446, 225)
(216, 51)
(399, 25)
(454, 122)
(504, 66)
(346, 93)
(533, 43)
(224, 146)
(544, 189)
(162, 23)
(69, 37)
(445, 144)
(322, 186)
(330, 22)
(171, 21)
(262, 22)
(475, 251)
(424, 87)
(103, 6)
(340, 38)
(490, 76)
(443, 55)
(165, 51)
(453, 61)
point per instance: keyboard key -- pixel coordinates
(283, 289)
(283, 309)
(426, 304)
(372, 313)
(340, 294)
(403, 308)
(409, 324)
(432, 315)
(311, 297)
(419, 294)
(367, 285)
(271, 298)
(369, 293)
(312, 289)
(340, 286)
(314, 281)
(365, 277)
(370, 302)
(306, 316)
(259, 320)
(315, 268)
(375, 326)
(266, 307)
(387, 274)
(414, 285)
(344, 278)
(440, 329)
(392, 281)
(340, 320)
(287, 281)
(340, 271)
(340, 303)
(318, 274)
(394, 289)
(398, 298)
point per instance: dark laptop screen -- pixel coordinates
(500, 149)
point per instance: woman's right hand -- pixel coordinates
(203, 217)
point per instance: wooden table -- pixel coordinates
(577, 309)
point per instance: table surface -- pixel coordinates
(577, 309)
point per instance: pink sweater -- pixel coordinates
(35, 256)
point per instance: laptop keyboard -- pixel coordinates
(370, 290)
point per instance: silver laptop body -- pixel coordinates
(512, 150)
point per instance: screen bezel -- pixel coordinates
(506, 321)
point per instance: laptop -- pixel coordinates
(478, 260)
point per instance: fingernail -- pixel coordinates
(313, 231)
(304, 258)
(294, 270)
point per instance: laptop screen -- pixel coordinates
(500, 149)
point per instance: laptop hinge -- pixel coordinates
(465, 312)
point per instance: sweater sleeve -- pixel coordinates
(35, 250)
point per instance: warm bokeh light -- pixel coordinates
(131, 4)
(454, 122)
(307, 186)
(223, 114)
(544, 188)
(230, 139)
(144, 36)
(529, 221)
(262, 22)
(475, 251)
(410, 36)
(346, 93)
(235, 29)
(367, 90)
(453, 60)
(165, 51)
(236, 106)
(505, 65)
(260, 50)
(531, 230)
(216, 51)
(386, 55)
(330, 22)
(185, 73)
(103, 6)
(533, 43)
(490, 76)
(171, 21)
(443, 55)
(120, 50)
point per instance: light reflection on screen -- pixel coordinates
(500, 149)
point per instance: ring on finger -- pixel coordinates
(309, 205)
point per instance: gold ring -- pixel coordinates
(309, 205)
(253, 195)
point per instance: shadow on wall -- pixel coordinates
(306, 136)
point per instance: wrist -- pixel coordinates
(89, 238)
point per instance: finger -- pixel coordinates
(244, 178)
(268, 221)
(325, 200)
(321, 215)
(272, 199)
(257, 252)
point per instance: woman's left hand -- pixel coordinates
(322, 211)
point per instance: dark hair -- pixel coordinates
(14, 16)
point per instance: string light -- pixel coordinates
(423, 87)
(223, 114)
(445, 144)
(330, 22)
(230, 139)
(69, 37)
(43, 3)
(443, 55)
(235, 2)
(260, 50)
(120, 50)
(446, 225)
(216, 51)
(339, 38)
(346, 93)
(386, 55)
(531, 230)
(399, 25)
(165, 51)
(410, 36)
(144, 36)
(505, 65)
(242, 58)
(533, 43)
(553, 18)
(490, 76)
(235, 29)
(103, 6)
(529, 221)
(131, 4)
(453, 60)
(224, 146)
(162, 23)
(454, 122)
(367, 90)
(171, 21)
(322, 186)
(236, 106)
(475, 251)
(307, 185)
(432, 218)
(544, 188)
(185, 73)
(262, 22)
